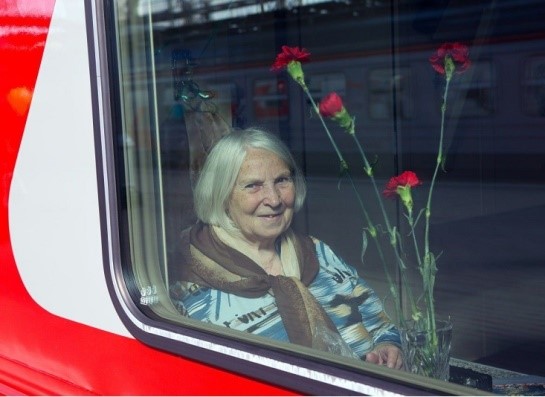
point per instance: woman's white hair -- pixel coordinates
(219, 173)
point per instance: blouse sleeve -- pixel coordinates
(373, 316)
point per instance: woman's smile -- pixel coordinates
(271, 215)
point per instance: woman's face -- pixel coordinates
(263, 197)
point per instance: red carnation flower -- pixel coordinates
(289, 54)
(331, 105)
(404, 180)
(459, 53)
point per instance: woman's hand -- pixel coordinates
(386, 354)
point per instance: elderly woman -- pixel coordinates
(243, 267)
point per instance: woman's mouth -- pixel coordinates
(271, 216)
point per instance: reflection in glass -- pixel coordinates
(492, 200)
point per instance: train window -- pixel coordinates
(322, 84)
(270, 99)
(380, 94)
(401, 117)
(472, 93)
(534, 87)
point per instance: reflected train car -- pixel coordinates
(497, 107)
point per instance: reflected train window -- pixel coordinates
(534, 86)
(473, 93)
(381, 84)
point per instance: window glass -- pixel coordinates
(468, 147)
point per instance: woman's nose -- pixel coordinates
(271, 195)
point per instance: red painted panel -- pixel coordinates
(41, 353)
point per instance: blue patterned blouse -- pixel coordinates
(351, 304)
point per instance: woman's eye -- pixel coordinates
(284, 180)
(252, 186)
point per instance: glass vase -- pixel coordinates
(425, 355)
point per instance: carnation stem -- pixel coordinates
(372, 230)
(391, 231)
(412, 225)
(344, 164)
(430, 269)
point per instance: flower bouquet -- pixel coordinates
(424, 347)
